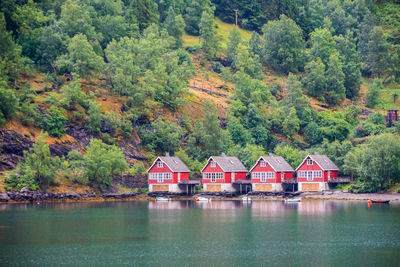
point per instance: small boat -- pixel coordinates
(203, 199)
(163, 199)
(295, 199)
(246, 199)
(380, 201)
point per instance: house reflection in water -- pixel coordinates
(169, 205)
(317, 207)
(270, 208)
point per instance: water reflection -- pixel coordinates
(317, 207)
(220, 205)
(169, 205)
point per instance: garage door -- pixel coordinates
(264, 187)
(213, 188)
(160, 187)
(310, 187)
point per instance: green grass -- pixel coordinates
(223, 31)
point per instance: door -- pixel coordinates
(309, 176)
(233, 177)
(179, 177)
(329, 175)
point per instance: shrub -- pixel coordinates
(55, 121)
(28, 114)
(14, 182)
(8, 104)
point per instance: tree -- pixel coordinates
(193, 14)
(175, 26)
(240, 136)
(94, 118)
(312, 133)
(292, 155)
(333, 125)
(209, 40)
(81, 58)
(375, 163)
(38, 164)
(283, 45)
(294, 94)
(232, 46)
(255, 45)
(143, 13)
(8, 104)
(315, 79)
(377, 57)
(372, 96)
(336, 92)
(323, 45)
(212, 131)
(73, 95)
(102, 162)
(55, 121)
(348, 55)
(291, 124)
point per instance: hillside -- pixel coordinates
(96, 104)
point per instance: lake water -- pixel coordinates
(186, 233)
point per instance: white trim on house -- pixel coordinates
(158, 158)
(264, 161)
(305, 160)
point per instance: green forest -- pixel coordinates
(294, 77)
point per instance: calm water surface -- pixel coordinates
(185, 233)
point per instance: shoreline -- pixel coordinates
(327, 195)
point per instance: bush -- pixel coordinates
(55, 121)
(14, 182)
(359, 187)
(28, 114)
(8, 104)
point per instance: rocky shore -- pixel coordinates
(38, 196)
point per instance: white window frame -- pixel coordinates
(310, 177)
(309, 162)
(213, 164)
(317, 174)
(263, 163)
(160, 164)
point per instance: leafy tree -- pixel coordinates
(333, 125)
(315, 79)
(248, 154)
(240, 136)
(55, 121)
(39, 165)
(175, 26)
(73, 95)
(372, 96)
(291, 124)
(336, 92)
(102, 162)
(292, 155)
(283, 45)
(294, 95)
(255, 45)
(375, 163)
(248, 64)
(194, 11)
(163, 136)
(336, 151)
(377, 57)
(312, 133)
(323, 45)
(143, 13)
(194, 165)
(81, 58)
(351, 65)
(249, 90)
(8, 104)
(209, 40)
(212, 131)
(232, 46)
(94, 117)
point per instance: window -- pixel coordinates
(309, 175)
(262, 163)
(309, 162)
(160, 177)
(213, 164)
(213, 176)
(160, 164)
(318, 174)
(263, 176)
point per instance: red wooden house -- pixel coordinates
(221, 172)
(166, 174)
(269, 172)
(314, 173)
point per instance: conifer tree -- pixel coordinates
(315, 79)
(336, 92)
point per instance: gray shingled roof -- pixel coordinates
(324, 162)
(175, 164)
(278, 163)
(229, 164)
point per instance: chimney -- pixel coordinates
(270, 154)
(315, 152)
(167, 154)
(223, 154)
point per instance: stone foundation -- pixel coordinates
(173, 188)
(267, 187)
(219, 188)
(313, 186)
